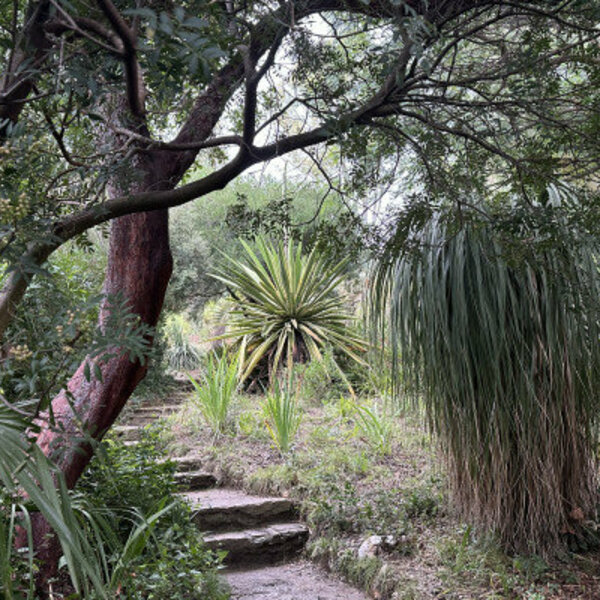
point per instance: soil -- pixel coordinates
(295, 581)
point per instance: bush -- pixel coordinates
(182, 354)
(321, 380)
(287, 308)
(123, 481)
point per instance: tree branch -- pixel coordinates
(133, 73)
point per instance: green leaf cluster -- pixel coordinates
(286, 306)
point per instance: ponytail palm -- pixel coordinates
(286, 306)
(507, 356)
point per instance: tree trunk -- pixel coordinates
(139, 268)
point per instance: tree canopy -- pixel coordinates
(490, 97)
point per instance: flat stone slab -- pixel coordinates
(271, 544)
(187, 463)
(128, 432)
(296, 581)
(227, 509)
(158, 410)
(195, 480)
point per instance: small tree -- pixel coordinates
(505, 349)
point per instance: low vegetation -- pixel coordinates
(354, 481)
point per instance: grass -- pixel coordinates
(282, 416)
(216, 392)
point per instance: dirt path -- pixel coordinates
(300, 580)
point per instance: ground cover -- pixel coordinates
(356, 478)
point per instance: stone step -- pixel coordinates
(143, 420)
(157, 410)
(195, 480)
(187, 463)
(223, 509)
(128, 432)
(266, 545)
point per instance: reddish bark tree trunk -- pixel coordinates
(139, 268)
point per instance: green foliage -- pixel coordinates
(153, 543)
(53, 326)
(216, 392)
(282, 415)
(182, 354)
(504, 346)
(248, 208)
(30, 484)
(320, 381)
(286, 305)
(376, 426)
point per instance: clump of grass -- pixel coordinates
(282, 416)
(376, 427)
(216, 392)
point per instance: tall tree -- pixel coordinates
(104, 108)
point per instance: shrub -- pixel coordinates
(122, 482)
(321, 381)
(214, 396)
(182, 354)
(282, 416)
(286, 307)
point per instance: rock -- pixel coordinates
(195, 480)
(226, 509)
(375, 544)
(266, 545)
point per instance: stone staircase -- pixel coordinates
(253, 530)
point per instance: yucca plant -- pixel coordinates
(182, 354)
(286, 306)
(215, 393)
(505, 349)
(282, 415)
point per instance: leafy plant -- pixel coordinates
(286, 306)
(502, 339)
(29, 484)
(145, 528)
(215, 394)
(282, 416)
(182, 354)
(376, 427)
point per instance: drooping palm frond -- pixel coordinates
(286, 306)
(507, 356)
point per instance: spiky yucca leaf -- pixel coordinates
(507, 356)
(286, 306)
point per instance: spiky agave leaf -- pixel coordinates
(286, 305)
(507, 356)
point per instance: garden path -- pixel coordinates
(261, 535)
